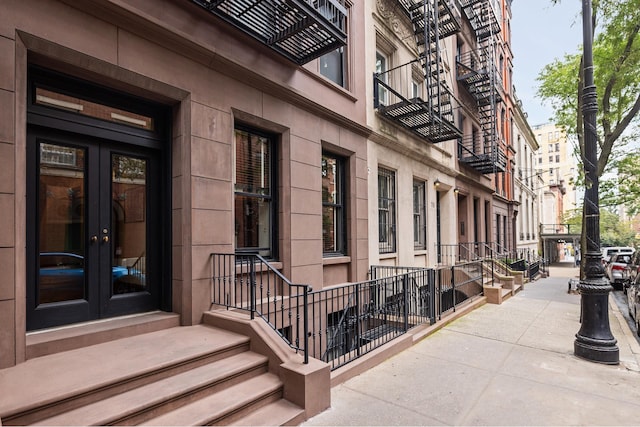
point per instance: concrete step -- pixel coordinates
(279, 413)
(56, 340)
(226, 406)
(152, 400)
(48, 386)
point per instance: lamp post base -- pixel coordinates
(606, 354)
(594, 341)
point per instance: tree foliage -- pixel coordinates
(613, 231)
(616, 59)
(625, 187)
(616, 73)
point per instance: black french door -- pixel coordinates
(93, 214)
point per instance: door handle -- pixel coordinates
(93, 239)
(105, 239)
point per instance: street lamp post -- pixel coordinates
(594, 341)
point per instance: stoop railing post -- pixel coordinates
(405, 297)
(252, 287)
(453, 287)
(305, 324)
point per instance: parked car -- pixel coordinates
(633, 267)
(62, 277)
(609, 251)
(633, 301)
(616, 270)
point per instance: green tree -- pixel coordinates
(573, 219)
(616, 57)
(624, 188)
(614, 232)
(616, 60)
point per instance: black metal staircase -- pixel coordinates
(477, 71)
(300, 30)
(431, 118)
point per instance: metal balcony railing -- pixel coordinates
(424, 17)
(559, 229)
(482, 17)
(482, 154)
(428, 113)
(300, 30)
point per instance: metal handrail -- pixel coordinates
(249, 282)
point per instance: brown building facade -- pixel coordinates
(138, 138)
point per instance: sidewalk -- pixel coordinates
(508, 364)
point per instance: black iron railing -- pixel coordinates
(249, 282)
(300, 30)
(560, 229)
(351, 320)
(456, 284)
(526, 260)
(342, 323)
(469, 251)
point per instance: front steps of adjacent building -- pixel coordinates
(498, 287)
(190, 375)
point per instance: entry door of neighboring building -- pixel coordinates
(93, 239)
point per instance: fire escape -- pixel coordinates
(300, 30)
(484, 151)
(431, 118)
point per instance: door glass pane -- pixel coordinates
(128, 224)
(61, 220)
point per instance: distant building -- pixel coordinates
(527, 182)
(558, 168)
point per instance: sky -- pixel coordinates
(541, 32)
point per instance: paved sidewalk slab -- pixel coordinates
(508, 364)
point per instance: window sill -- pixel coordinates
(336, 260)
(390, 255)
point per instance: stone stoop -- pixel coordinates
(191, 375)
(504, 288)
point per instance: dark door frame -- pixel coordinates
(108, 136)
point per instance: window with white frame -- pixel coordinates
(382, 66)
(386, 210)
(414, 90)
(415, 85)
(419, 215)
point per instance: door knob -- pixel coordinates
(94, 239)
(105, 239)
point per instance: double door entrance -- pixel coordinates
(95, 229)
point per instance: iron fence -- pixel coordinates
(340, 324)
(249, 282)
(456, 284)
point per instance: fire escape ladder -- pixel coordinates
(432, 118)
(478, 72)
